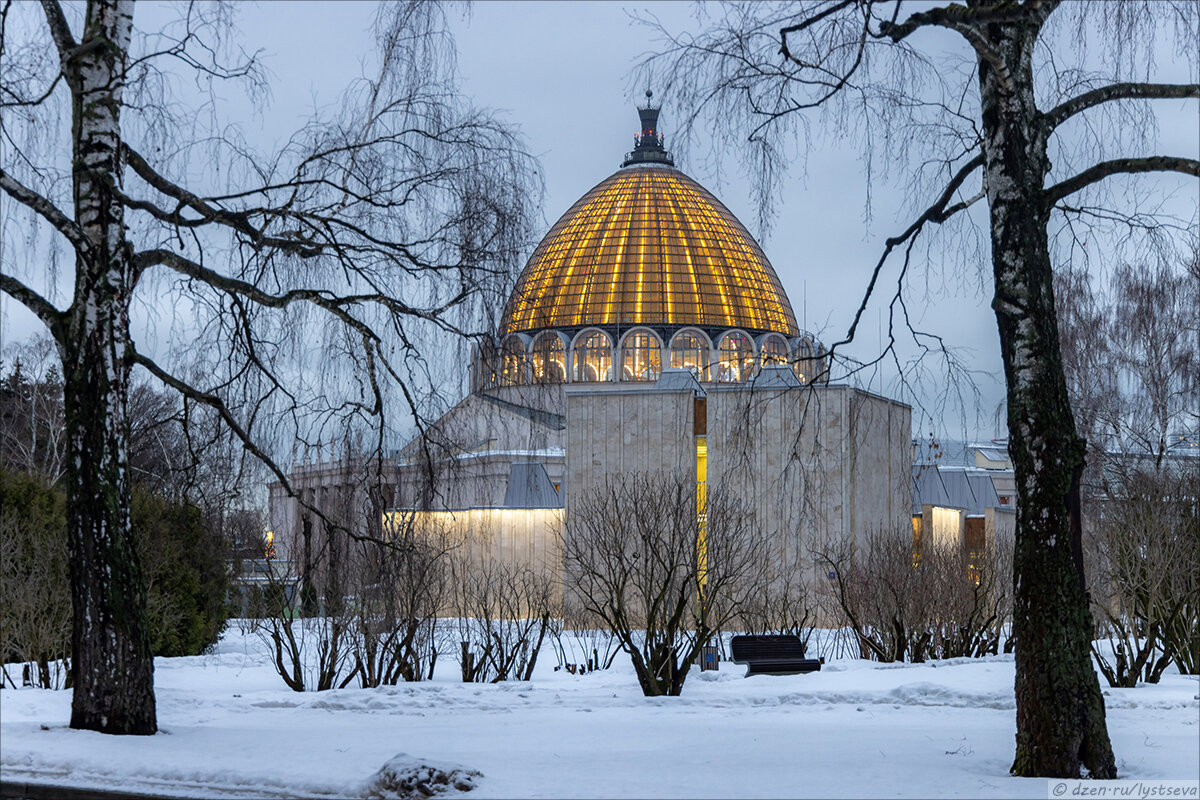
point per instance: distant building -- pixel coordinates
(963, 494)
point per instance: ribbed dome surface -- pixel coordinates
(648, 246)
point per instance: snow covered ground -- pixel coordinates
(856, 729)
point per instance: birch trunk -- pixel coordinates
(111, 664)
(1060, 711)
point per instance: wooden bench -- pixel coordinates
(772, 655)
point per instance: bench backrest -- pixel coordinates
(749, 648)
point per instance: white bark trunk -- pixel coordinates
(111, 668)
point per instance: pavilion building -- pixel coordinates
(649, 335)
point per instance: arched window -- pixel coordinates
(735, 358)
(774, 350)
(487, 363)
(512, 367)
(593, 358)
(820, 365)
(641, 357)
(690, 350)
(803, 364)
(549, 358)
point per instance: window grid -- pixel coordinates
(648, 246)
(735, 358)
(641, 357)
(593, 358)
(690, 350)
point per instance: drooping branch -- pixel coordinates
(322, 298)
(841, 80)
(1118, 91)
(315, 234)
(809, 22)
(1117, 166)
(43, 308)
(236, 220)
(244, 436)
(19, 102)
(47, 210)
(939, 212)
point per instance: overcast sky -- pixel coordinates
(561, 72)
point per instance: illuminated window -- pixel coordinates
(918, 548)
(702, 509)
(803, 364)
(488, 363)
(774, 350)
(593, 358)
(735, 358)
(512, 368)
(549, 358)
(641, 357)
(690, 350)
(820, 365)
(975, 539)
(648, 247)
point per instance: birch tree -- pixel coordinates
(297, 285)
(1024, 122)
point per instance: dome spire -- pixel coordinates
(648, 143)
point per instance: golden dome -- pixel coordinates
(648, 246)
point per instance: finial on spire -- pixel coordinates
(648, 143)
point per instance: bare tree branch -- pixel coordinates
(939, 212)
(43, 308)
(1117, 91)
(56, 20)
(47, 210)
(324, 298)
(227, 416)
(1117, 166)
(239, 221)
(960, 18)
(37, 101)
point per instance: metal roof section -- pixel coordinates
(968, 489)
(679, 379)
(529, 486)
(928, 488)
(983, 492)
(959, 453)
(776, 376)
(993, 454)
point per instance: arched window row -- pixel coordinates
(592, 356)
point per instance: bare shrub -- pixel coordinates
(504, 612)
(404, 584)
(309, 653)
(581, 644)
(906, 605)
(1146, 592)
(636, 560)
(35, 610)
